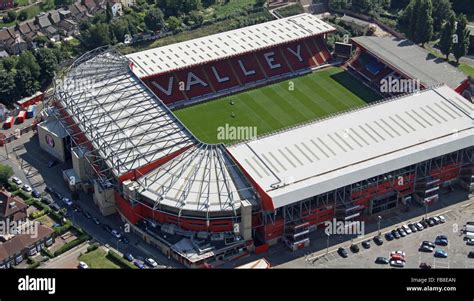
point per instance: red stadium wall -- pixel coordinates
(246, 69)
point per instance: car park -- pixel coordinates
(116, 233)
(366, 244)
(424, 265)
(354, 248)
(382, 260)
(441, 253)
(35, 194)
(342, 252)
(26, 188)
(129, 257)
(83, 265)
(16, 180)
(67, 201)
(397, 263)
(151, 262)
(378, 240)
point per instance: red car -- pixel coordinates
(397, 257)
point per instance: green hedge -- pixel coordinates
(38, 214)
(92, 247)
(22, 194)
(47, 252)
(72, 244)
(34, 265)
(119, 260)
(64, 228)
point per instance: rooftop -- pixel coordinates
(226, 44)
(412, 60)
(347, 148)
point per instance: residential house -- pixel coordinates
(54, 17)
(68, 28)
(11, 41)
(128, 3)
(29, 31)
(14, 249)
(12, 208)
(78, 12)
(91, 6)
(46, 27)
(116, 7)
(64, 13)
(6, 4)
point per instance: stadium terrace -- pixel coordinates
(206, 204)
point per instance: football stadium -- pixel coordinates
(141, 133)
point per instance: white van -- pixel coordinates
(468, 228)
(469, 235)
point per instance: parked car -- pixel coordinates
(366, 244)
(139, 264)
(354, 248)
(378, 240)
(436, 219)
(442, 236)
(470, 254)
(77, 208)
(58, 195)
(389, 236)
(51, 163)
(441, 240)
(55, 207)
(67, 201)
(397, 263)
(16, 180)
(402, 232)
(426, 248)
(470, 242)
(429, 243)
(87, 215)
(342, 252)
(412, 228)
(35, 194)
(431, 222)
(406, 229)
(129, 257)
(107, 228)
(83, 265)
(96, 220)
(424, 265)
(46, 200)
(151, 262)
(442, 219)
(396, 234)
(27, 188)
(424, 223)
(48, 189)
(125, 240)
(419, 226)
(441, 253)
(401, 253)
(116, 233)
(382, 260)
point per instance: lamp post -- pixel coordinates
(379, 221)
(426, 211)
(327, 243)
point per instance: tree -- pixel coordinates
(7, 86)
(196, 17)
(96, 35)
(5, 173)
(363, 5)
(399, 4)
(461, 41)
(63, 2)
(207, 3)
(463, 6)
(120, 29)
(441, 13)
(154, 19)
(424, 23)
(11, 15)
(260, 3)
(26, 83)
(9, 63)
(48, 63)
(28, 61)
(23, 15)
(173, 23)
(108, 13)
(446, 41)
(190, 5)
(407, 19)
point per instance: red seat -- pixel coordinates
(315, 52)
(297, 55)
(273, 62)
(166, 87)
(247, 68)
(194, 82)
(324, 50)
(220, 75)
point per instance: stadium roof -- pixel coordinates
(203, 178)
(412, 60)
(315, 158)
(124, 121)
(226, 44)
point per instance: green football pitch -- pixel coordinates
(277, 106)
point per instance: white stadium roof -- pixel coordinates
(226, 44)
(341, 150)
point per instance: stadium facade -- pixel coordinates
(206, 204)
